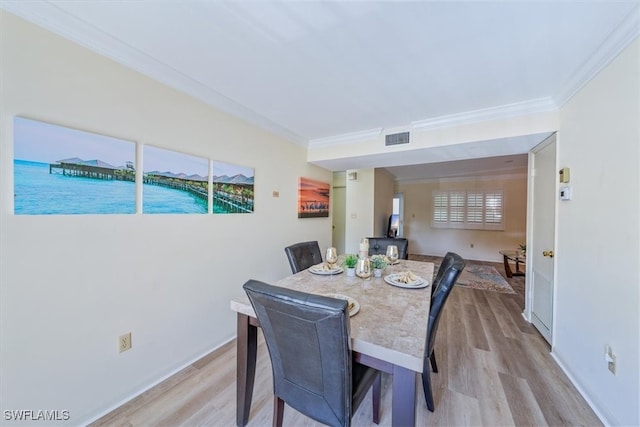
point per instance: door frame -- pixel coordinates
(338, 200)
(528, 303)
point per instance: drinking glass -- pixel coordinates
(392, 253)
(331, 256)
(363, 268)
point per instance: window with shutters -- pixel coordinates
(470, 209)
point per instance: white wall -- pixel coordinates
(427, 240)
(359, 208)
(70, 285)
(598, 254)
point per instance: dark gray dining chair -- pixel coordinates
(378, 246)
(448, 259)
(303, 255)
(308, 340)
(438, 299)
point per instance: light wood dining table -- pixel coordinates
(387, 333)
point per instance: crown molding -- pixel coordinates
(346, 137)
(486, 114)
(56, 20)
(618, 40)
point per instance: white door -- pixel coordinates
(339, 218)
(540, 251)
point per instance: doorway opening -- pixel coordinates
(395, 220)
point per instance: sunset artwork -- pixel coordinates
(313, 198)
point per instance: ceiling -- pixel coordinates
(310, 70)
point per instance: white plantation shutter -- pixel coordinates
(472, 209)
(441, 207)
(475, 202)
(493, 208)
(456, 207)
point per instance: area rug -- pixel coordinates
(484, 277)
(476, 276)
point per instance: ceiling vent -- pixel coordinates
(397, 138)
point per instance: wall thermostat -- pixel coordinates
(564, 175)
(565, 193)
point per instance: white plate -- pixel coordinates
(317, 269)
(418, 284)
(354, 309)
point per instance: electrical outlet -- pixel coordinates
(124, 342)
(610, 358)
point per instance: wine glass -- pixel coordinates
(331, 256)
(392, 254)
(363, 268)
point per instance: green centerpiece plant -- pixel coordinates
(350, 260)
(378, 263)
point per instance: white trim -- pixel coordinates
(618, 40)
(54, 19)
(605, 421)
(155, 383)
(486, 114)
(528, 295)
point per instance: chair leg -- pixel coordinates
(426, 385)
(375, 392)
(278, 411)
(434, 365)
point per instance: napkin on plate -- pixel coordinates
(406, 277)
(325, 267)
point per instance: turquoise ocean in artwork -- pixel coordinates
(37, 192)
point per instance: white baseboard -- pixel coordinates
(155, 383)
(605, 421)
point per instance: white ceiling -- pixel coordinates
(311, 70)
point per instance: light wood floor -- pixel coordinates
(494, 370)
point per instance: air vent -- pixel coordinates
(396, 138)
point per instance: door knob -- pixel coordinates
(547, 253)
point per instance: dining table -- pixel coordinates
(388, 329)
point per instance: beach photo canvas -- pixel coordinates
(58, 170)
(173, 182)
(313, 198)
(232, 188)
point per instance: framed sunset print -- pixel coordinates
(313, 198)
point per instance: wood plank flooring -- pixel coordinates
(494, 370)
